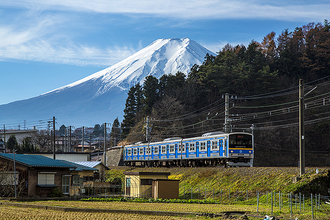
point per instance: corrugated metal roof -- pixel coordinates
(80, 167)
(89, 163)
(36, 160)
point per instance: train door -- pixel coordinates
(221, 152)
(225, 147)
(187, 150)
(167, 151)
(176, 150)
(197, 149)
(208, 147)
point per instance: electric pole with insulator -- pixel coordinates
(54, 156)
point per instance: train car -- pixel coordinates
(211, 149)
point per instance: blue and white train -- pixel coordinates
(211, 149)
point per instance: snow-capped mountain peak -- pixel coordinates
(101, 96)
(163, 56)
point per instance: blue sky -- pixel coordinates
(48, 44)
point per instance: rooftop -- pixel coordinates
(36, 160)
(90, 163)
(79, 167)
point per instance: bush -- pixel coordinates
(56, 192)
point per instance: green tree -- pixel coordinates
(150, 94)
(12, 143)
(62, 130)
(27, 145)
(97, 131)
(115, 132)
(129, 113)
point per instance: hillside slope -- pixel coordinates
(254, 179)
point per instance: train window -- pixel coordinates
(172, 150)
(129, 152)
(182, 148)
(163, 149)
(141, 150)
(240, 141)
(156, 150)
(135, 151)
(215, 145)
(148, 151)
(192, 147)
(203, 146)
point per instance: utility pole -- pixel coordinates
(226, 113)
(252, 128)
(65, 140)
(105, 138)
(54, 157)
(301, 128)
(70, 139)
(147, 129)
(82, 142)
(15, 175)
(4, 137)
(90, 141)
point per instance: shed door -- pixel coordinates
(128, 186)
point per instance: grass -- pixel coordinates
(253, 179)
(323, 213)
(217, 182)
(10, 213)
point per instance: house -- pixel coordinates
(93, 164)
(79, 175)
(36, 175)
(150, 185)
(97, 165)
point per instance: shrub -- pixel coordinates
(56, 192)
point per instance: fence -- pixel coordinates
(275, 201)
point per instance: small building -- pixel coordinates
(150, 185)
(19, 134)
(79, 175)
(36, 175)
(165, 189)
(101, 168)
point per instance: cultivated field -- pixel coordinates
(10, 213)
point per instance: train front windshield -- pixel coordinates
(240, 141)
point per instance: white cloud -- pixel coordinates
(41, 41)
(40, 50)
(42, 31)
(209, 9)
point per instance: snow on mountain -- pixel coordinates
(101, 96)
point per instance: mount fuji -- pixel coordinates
(101, 96)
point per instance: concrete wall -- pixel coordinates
(19, 134)
(66, 156)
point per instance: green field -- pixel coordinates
(225, 190)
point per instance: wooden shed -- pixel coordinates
(165, 189)
(150, 185)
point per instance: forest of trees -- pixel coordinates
(264, 76)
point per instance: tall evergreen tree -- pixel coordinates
(12, 143)
(115, 132)
(129, 113)
(97, 131)
(150, 94)
(62, 130)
